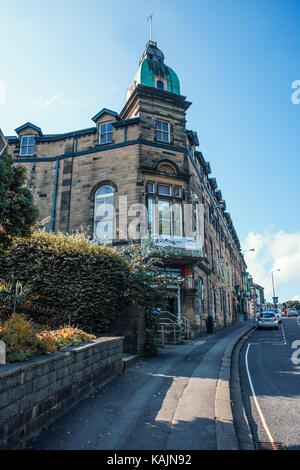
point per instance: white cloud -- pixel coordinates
(297, 297)
(52, 100)
(279, 250)
(57, 98)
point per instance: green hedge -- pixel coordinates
(71, 274)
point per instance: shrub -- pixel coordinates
(20, 338)
(23, 340)
(50, 341)
(46, 316)
(71, 275)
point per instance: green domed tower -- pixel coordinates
(153, 72)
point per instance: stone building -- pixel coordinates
(99, 177)
(257, 298)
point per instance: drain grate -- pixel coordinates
(271, 446)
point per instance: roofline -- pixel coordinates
(53, 137)
(155, 93)
(104, 111)
(29, 124)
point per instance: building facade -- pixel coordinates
(100, 178)
(257, 298)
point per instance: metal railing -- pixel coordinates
(169, 333)
(170, 330)
(187, 327)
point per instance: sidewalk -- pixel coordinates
(176, 400)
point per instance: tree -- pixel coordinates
(293, 304)
(147, 286)
(17, 212)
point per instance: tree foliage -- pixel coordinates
(17, 212)
(70, 274)
(293, 304)
(147, 286)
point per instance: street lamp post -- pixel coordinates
(274, 298)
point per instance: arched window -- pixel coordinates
(166, 168)
(104, 214)
(160, 84)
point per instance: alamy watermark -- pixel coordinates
(296, 94)
(163, 219)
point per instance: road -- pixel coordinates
(163, 402)
(269, 367)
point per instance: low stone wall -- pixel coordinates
(35, 393)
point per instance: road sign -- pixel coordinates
(3, 143)
(275, 300)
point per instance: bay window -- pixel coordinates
(163, 190)
(164, 212)
(165, 217)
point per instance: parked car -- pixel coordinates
(267, 320)
(292, 312)
(278, 314)
(257, 315)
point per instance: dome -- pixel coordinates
(154, 72)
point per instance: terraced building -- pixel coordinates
(100, 178)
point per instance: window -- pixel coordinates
(211, 254)
(150, 188)
(195, 224)
(151, 215)
(27, 145)
(104, 214)
(161, 83)
(221, 299)
(189, 282)
(177, 211)
(213, 303)
(164, 213)
(162, 131)
(163, 190)
(201, 297)
(106, 133)
(165, 168)
(165, 217)
(177, 191)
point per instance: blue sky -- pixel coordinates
(61, 62)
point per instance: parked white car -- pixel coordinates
(267, 320)
(292, 312)
(278, 314)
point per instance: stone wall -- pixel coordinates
(35, 393)
(131, 325)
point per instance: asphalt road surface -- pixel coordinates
(163, 402)
(269, 366)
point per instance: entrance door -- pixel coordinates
(172, 305)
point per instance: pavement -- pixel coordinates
(179, 399)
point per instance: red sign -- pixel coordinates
(186, 271)
(3, 143)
